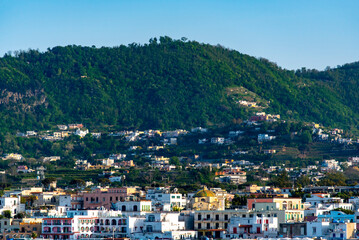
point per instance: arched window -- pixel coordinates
(113, 222)
(107, 222)
(135, 208)
(123, 208)
(284, 205)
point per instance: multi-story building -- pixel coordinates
(130, 208)
(164, 225)
(11, 204)
(20, 228)
(168, 200)
(106, 196)
(259, 226)
(293, 207)
(215, 223)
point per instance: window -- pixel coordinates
(178, 196)
(151, 218)
(199, 217)
(173, 196)
(225, 225)
(208, 226)
(110, 199)
(284, 229)
(199, 226)
(149, 228)
(87, 199)
(208, 216)
(225, 217)
(302, 230)
(217, 217)
(314, 230)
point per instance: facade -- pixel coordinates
(293, 207)
(134, 207)
(105, 197)
(342, 231)
(294, 229)
(163, 197)
(163, 226)
(215, 223)
(207, 200)
(318, 229)
(12, 204)
(258, 226)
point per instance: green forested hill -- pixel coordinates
(164, 84)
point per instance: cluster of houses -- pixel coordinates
(164, 213)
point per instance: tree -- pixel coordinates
(104, 181)
(6, 214)
(78, 182)
(239, 200)
(306, 137)
(333, 179)
(47, 181)
(19, 215)
(175, 161)
(33, 235)
(282, 180)
(302, 181)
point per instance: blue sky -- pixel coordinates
(294, 34)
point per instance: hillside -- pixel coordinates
(165, 84)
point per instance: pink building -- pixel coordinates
(104, 197)
(57, 228)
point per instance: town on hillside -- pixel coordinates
(263, 178)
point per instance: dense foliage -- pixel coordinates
(164, 84)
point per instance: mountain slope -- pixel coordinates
(164, 84)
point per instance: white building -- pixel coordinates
(317, 229)
(81, 133)
(217, 140)
(65, 201)
(240, 227)
(12, 204)
(265, 137)
(331, 164)
(134, 208)
(163, 226)
(162, 196)
(316, 199)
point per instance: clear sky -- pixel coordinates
(292, 33)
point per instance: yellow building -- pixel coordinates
(207, 200)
